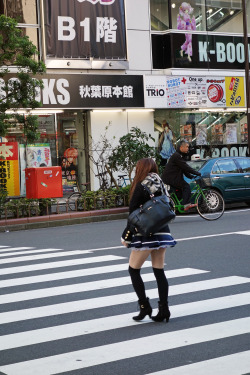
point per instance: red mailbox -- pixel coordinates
(43, 182)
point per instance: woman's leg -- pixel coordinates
(136, 260)
(157, 257)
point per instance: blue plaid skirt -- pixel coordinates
(156, 241)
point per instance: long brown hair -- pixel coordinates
(143, 168)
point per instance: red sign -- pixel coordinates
(9, 150)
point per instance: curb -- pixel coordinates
(56, 220)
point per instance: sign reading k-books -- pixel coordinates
(207, 52)
(193, 92)
(85, 28)
(9, 169)
(91, 91)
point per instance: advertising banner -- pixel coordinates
(85, 28)
(203, 52)
(69, 170)
(22, 160)
(175, 91)
(243, 132)
(235, 96)
(201, 134)
(217, 134)
(38, 155)
(193, 92)
(155, 92)
(9, 168)
(186, 132)
(216, 92)
(231, 134)
(187, 91)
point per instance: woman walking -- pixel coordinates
(142, 246)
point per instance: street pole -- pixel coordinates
(245, 35)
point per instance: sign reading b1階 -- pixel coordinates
(9, 168)
(85, 28)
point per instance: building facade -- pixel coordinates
(116, 64)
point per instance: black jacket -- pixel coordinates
(175, 168)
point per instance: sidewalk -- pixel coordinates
(70, 218)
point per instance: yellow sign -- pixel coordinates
(9, 168)
(235, 96)
(10, 176)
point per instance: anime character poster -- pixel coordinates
(217, 134)
(231, 134)
(185, 21)
(201, 134)
(186, 132)
(243, 133)
(69, 170)
(38, 155)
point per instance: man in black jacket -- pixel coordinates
(174, 170)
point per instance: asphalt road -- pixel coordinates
(66, 301)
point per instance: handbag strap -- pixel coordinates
(149, 192)
(152, 194)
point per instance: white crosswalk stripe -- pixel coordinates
(113, 322)
(29, 301)
(129, 349)
(86, 272)
(237, 364)
(37, 251)
(63, 263)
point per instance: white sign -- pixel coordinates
(231, 133)
(216, 92)
(201, 134)
(175, 91)
(155, 92)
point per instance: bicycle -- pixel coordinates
(210, 203)
(73, 199)
(122, 180)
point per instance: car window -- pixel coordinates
(245, 164)
(225, 166)
(196, 164)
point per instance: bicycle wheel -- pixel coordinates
(210, 204)
(72, 200)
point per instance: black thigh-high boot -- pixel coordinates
(162, 284)
(138, 284)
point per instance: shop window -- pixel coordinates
(24, 11)
(224, 18)
(188, 15)
(224, 167)
(245, 165)
(68, 144)
(159, 15)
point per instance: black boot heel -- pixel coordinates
(163, 313)
(145, 309)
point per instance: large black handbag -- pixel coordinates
(152, 215)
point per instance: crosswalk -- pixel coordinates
(70, 312)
